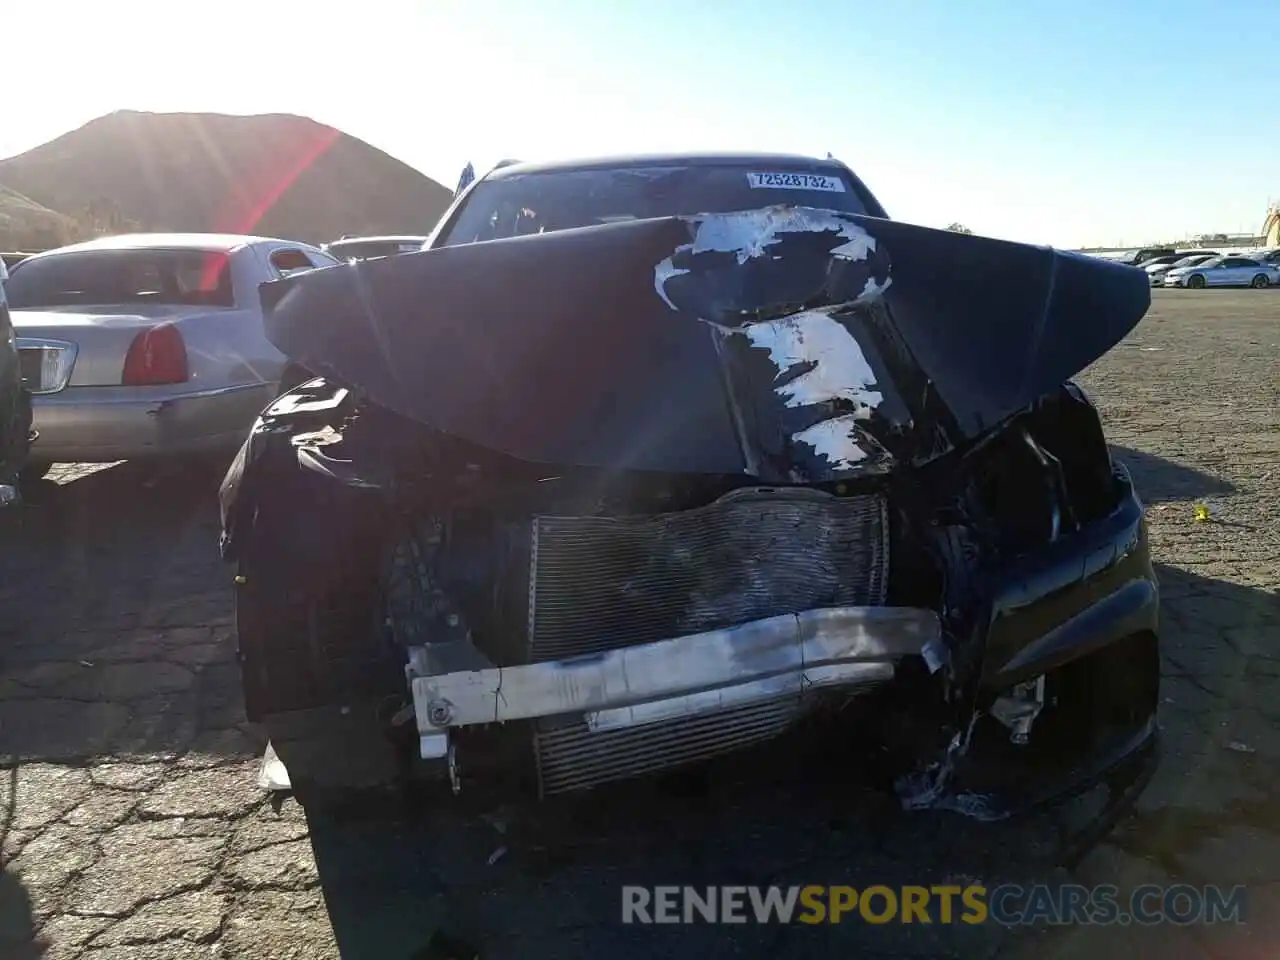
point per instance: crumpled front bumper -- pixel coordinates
(673, 678)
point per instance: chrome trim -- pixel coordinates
(43, 344)
(794, 684)
(222, 391)
(142, 398)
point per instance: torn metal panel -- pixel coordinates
(272, 774)
(677, 667)
(565, 348)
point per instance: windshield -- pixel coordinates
(166, 277)
(1192, 260)
(1211, 262)
(543, 202)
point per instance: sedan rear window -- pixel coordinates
(109, 277)
(542, 202)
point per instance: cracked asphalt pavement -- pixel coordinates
(132, 827)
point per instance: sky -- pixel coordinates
(1089, 122)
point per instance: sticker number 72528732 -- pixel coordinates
(795, 181)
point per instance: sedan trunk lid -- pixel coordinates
(96, 339)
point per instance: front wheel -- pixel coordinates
(1260, 281)
(291, 377)
(34, 471)
(1196, 282)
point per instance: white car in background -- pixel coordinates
(148, 345)
(1229, 271)
(371, 248)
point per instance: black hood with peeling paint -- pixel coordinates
(661, 345)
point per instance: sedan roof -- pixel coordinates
(219, 242)
(386, 239)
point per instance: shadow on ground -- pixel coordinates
(17, 927)
(115, 642)
(17, 923)
(1211, 814)
(115, 645)
(115, 637)
(392, 880)
(553, 887)
(1158, 480)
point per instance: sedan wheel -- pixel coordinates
(33, 471)
(1260, 281)
(1196, 282)
(291, 377)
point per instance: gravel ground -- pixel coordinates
(131, 826)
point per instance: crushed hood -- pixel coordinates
(794, 344)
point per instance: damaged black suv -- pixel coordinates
(645, 460)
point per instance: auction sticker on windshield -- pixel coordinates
(795, 181)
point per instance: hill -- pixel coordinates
(25, 224)
(272, 174)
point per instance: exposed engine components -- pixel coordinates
(418, 611)
(1019, 708)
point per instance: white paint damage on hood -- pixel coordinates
(837, 368)
(749, 233)
(836, 439)
(832, 364)
(834, 368)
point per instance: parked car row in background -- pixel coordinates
(1197, 269)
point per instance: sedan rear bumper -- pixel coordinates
(99, 424)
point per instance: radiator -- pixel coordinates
(600, 583)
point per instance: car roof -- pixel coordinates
(623, 161)
(220, 242)
(387, 239)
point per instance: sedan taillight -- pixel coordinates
(156, 356)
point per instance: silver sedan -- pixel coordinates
(1224, 272)
(148, 344)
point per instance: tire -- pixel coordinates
(1260, 282)
(1195, 282)
(34, 471)
(291, 377)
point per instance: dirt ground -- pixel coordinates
(132, 828)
